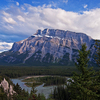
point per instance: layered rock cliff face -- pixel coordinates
(48, 46)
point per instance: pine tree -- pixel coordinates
(97, 56)
(97, 59)
(17, 88)
(3, 95)
(83, 86)
(33, 93)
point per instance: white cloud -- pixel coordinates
(85, 6)
(46, 17)
(9, 20)
(4, 46)
(6, 14)
(53, 4)
(35, 2)
(21, 18)
(65, 1)
(17, 3)
(22, 8)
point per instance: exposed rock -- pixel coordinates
(7, 89)
(11, 91)
(48, 46)
(5, 85)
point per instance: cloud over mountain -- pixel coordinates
(26, 19)
(4, 46)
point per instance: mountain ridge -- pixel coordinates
(49, 46)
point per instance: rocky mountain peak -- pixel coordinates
(49, 46)
(61, 34)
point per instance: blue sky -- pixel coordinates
(20, 19)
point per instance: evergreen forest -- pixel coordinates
(83, 85)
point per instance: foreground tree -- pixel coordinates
(97, 60)
(61, 93)
(97, 55)
(83, 86)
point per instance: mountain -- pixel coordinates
(50, 46)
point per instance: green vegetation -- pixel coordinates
(84, 85)
(29, 80)
(20, 94)
(32, 84)
(52, 80)
(3, 95)
(61, 93)
(23, 95)
(97, 56)
(14, 71)
(48, 80)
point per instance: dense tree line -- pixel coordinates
(52, 80)
(18, 71)
(3, 95)
(61, 93)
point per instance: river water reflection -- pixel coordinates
(40, 89)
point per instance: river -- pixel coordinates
(40, 89)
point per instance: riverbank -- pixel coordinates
(46, 91)
(48, 80)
